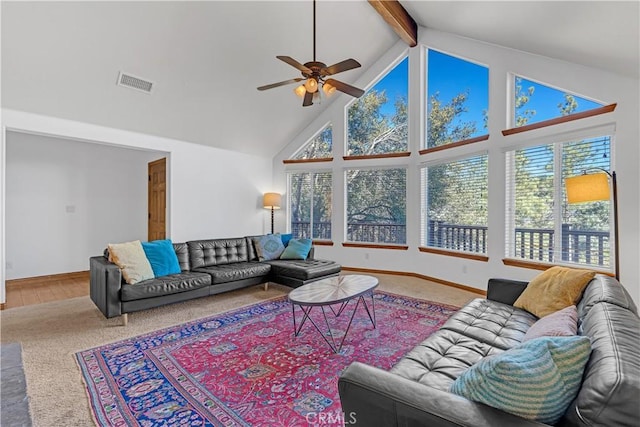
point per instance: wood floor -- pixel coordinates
(36, 290)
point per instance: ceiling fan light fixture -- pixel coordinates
(300, 91)
(328, 89)
(311, 85)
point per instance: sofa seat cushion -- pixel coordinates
(237, 271)
(499, 325)
(303, 269)
(165, 285)
(442, 358)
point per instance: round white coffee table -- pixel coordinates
(329, 292)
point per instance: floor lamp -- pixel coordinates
(271, 201)
(594, 187)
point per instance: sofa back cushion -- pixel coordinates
(605, 289)
(251, 249)
(206, 253)
(182, 252)
(611, 381)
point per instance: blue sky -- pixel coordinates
(449, 76)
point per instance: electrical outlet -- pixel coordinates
(464, 269)
(366, 255)
(9, 265)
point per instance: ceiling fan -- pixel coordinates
(314, 73)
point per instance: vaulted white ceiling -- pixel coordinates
(206, 59)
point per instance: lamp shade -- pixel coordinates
(271, 200)
(300, 91)
(587, 188)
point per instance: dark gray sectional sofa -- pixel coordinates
(208, 267)
(416, 390)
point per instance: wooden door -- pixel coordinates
(157, 199)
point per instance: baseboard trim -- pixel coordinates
(419, 276)
(27, 281)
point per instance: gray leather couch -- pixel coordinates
(415, 391)
(208, 267)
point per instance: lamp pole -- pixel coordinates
(272, 223)
(614, 185)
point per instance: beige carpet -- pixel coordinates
(52, 333)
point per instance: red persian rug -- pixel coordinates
(246, 367)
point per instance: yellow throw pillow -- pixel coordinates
(131, 259)
(553, 290)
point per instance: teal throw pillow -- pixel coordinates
(162, 257)
(537, 379)
(268, 247)
(286, 238)
(297, 249)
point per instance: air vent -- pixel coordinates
(133, 82)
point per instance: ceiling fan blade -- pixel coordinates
(308, 98)
(286, 82)
(347, 64)
(289, 60)
(348, 89)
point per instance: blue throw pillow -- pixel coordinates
(268, 247)
(297, 249)
(286, 238)
(162, 257)
(537, 379)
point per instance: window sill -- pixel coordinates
(292, 161)
(374, 246)
(457, 254)
(542, 266)
(322, 243)
(378, 156)
(454, 144)
(568, 118)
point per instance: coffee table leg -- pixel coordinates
(373, 309)
(296, 330)
(336, 349)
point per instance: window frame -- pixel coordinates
(557, 139)
(424, 217)
(345, 148)
(424, 75)
(374, 245)
(289, 173)
(292, 160)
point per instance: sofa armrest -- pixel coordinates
(373, 397)
(104, 286)
(504, 290)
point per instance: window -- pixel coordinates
(457, 99)
(454, 203)
(542, 227)
(377, 121)
(376, 205)
(319, 147)
(535, 102)
(310, 204)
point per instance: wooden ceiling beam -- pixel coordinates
(398, 18)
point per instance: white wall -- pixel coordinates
(599, 85)
(212, 192)
(66, 199)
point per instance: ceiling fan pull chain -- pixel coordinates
(314, 30)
